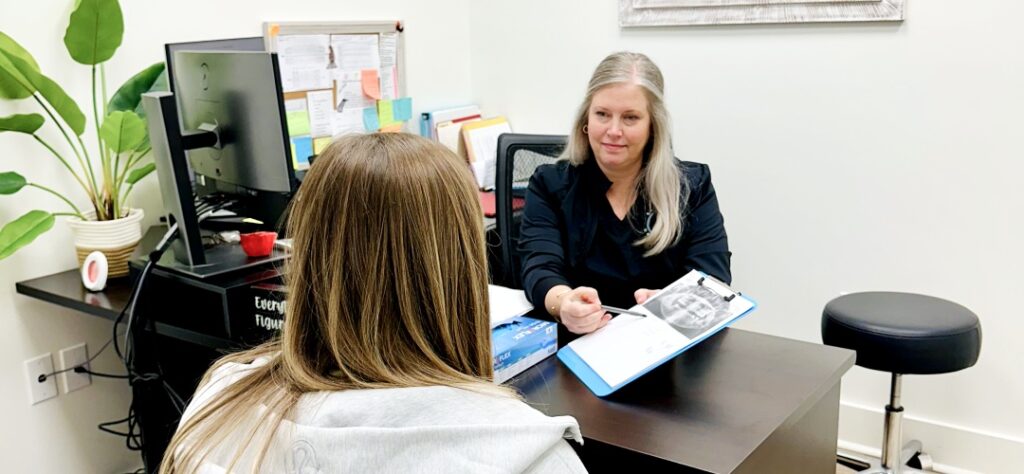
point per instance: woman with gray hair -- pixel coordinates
(618, 214)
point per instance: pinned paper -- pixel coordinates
(298, 122)
(393, 128)
(371, 83)
(403, 109)
(385, 112)
(370, 121)
(319, 144)
(303, 147)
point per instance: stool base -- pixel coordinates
(868, 465)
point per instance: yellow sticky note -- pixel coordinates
(298, 122)
(386, 112)
(319, 144)
(371, 83)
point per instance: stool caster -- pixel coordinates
(921, 461)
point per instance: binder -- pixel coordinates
(429, 120)
(481, 139)
(679, 317)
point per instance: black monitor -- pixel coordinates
(225, 122)
(254, 43)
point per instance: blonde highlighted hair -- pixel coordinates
(660, 179)
(387, 287)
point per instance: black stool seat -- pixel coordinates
(903, 333)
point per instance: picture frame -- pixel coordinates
(642, 13)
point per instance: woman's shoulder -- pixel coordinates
(698, 175)
(554, 176)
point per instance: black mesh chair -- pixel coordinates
(518, 156)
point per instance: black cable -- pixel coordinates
(42, 378)
(83, 370)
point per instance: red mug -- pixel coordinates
(258, 244)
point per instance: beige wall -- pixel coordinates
(846, 158)
(60, 435)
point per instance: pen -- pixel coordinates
(612, 309)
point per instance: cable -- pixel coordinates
(42, 378)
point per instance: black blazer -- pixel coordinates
(560, 221)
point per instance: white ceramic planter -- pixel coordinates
(116, 239)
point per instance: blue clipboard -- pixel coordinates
(599, 387)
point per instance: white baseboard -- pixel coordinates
(954, 449)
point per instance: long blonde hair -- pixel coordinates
(660, 178)
(387, 287)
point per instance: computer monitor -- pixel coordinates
(253, 43)
(232, 130)
(238, 96)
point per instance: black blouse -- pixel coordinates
(570, 235)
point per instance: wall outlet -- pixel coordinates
(70, 357)
(35, 369)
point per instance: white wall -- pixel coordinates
(846, 158)
(60, 435)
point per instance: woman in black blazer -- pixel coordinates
(619, 215)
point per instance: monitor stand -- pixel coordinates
(220, 259)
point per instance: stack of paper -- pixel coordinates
(481, 140)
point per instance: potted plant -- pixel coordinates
(106, 175)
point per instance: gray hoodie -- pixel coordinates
(420, 429)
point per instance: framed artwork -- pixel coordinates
(734, 12)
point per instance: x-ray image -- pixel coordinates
(690, 309)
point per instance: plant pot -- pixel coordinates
(116, 239)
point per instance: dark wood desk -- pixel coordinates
(739, 402)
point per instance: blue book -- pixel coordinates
(677, 318)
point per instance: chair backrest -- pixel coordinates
(518, 156)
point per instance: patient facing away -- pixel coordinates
(384, 361)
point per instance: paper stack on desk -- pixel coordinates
(686, 312)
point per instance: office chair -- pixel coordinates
(518, 156)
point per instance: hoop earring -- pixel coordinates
(585, 131)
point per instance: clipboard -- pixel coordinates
(590, 371)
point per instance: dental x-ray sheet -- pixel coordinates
(679, 316)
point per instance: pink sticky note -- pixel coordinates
(371, 83)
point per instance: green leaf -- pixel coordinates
(23, 230)
(159, 86)
(140, 172)
(122, 131)
(53, 93)
(11, 81)
(95, 31)
(129, 95)
(21, 123)
(11, 182)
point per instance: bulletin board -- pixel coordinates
(338, 78)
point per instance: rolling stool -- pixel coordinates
(901, 333)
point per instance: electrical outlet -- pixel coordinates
(70, 357)
(36, 368)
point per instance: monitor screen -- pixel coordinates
(237, 95)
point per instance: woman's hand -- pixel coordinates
(643, 294)
(580, 311)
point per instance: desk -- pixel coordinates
(739, 402)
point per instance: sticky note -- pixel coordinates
(275, 29)
(385, 112)
(371, 83)
(403, 109)
(319, 144)
(303, 150)
(393, 128)
(298, 122)
(370, 121)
